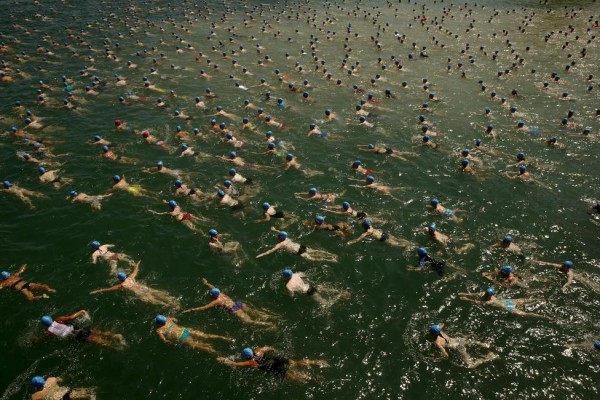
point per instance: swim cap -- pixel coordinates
(4, 275)
(282, 235)
(178, 183)
(568, 264)
(522, 169)
(213, 232)
(160, 319)
(228, 135)
(564, 121)
(289, 156)
(362, 119)
(367, 223)
(370, 179)
(184, 147)
(507, 239)
(214, 292)
(227, 183)
(477, 142)
(319, 219)
(73, 193)
(95, 245)
(38, 382)
(490, 291)
(520, 155)
(145, 134)
(506, 270)
(232, 155)
(221, 193)
(370, 146)
(265, 206)
(105, 149)
(356, 163)
(422, 251)
(553, 139)
(434, 202)
(426, 138)
(46, 320)
(288, 273)
(465, 152)
(172, 204)
(432, 227)
(271, 146)
(219, 108)
(42, 170)
(346, 205)
(26, 156)
(421, 118)
(245, 120)
(122, 276)
(312, 191)
(247, 353)
(597, 345)
(117, 178)
(465, 162)
(522, 123)
(435, 329)
(232, 171)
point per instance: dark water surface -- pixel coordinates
(377, 341)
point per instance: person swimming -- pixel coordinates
(170, 332)
(20, 285)
(284, 243)
(442, 341)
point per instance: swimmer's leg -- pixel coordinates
(203, 335)
(477, 363)
(297, 376)
(200, 345)
(308, 363)
(83, 394)
(530, 314)
(393, 241)
(25, 200)
(41, 286)
(319, 255)
(463, 249)
(113, 266)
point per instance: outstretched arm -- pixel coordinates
(358, 239)
(116, 287)
(248, 363)
(213, 303)
(207, 283)
(266, 253)
(135, 271)
(569, 279)
(22, 269)
(71, 317)
(548, 264)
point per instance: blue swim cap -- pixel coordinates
(172, 204)
(477, 142)
(247, 353)
(95, 245)
(228, 135)
(214, 292)
(434, 202)
(553, 139)
(367, 223)
(178, 183)
(520, 155)
(289, 156)
(597, 345)
(319, 219)
(160, 319)
(346, 205)
(362, 119)
(490, 291)
(245, 120)
(97, 138)
(117, 178)
(421, 118)
(568, 264)
(4, 275)
(312, 191)
(105, 148)
(46, 320)
(432, 227)
(221, 193)
(42, 170)
(282, 235)
(233, 154)
(184, 147)
(122, 276)
(370, 179)
(73, 193)
(232, 171)
(265, 206)
(288, 273)
(426, 138)
(465, 152)
(422, 251)
(356, 163)
(465, 162)
(271, 146)
(370, 146)
(219, 108)
(520, 124)
(522, 169)
(213, 232)
(38, 382)
(435, 329)
(312, 125)
(227, 183)
(506, 270)
(507, 239)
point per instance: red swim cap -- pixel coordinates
(145, 134)
(117, 122)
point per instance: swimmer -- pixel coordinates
(386, 150)
(109, 154)
(238, 178)
(53, 177)
(380, 235)
(507, 244)
(232, 140)
(219, 247)
(233, 158)
(362, 121)
(245, 313)
(181, 115)
(187, 151)
(102, 252)
(566, 268)
(169, 332)
(438, 208)
(136, 190)
(63, 328)
(270, 211)
(22, 193)
(144, 293)
(120, 125)
(554, 144)
(295, 284)
(346, 209)
(280, 367)
(99, 140)
(425, 260)
(426, 142)
(357, 167)
(507, 275)
(27, 288)
(443, 341)
(228, 201)
(176, 212)
(319, 224)
(284, 243)
(589, 345)
(488, 298)
(94, 201)
(446, 240)
(314, 130)
(370, 183)
(49, 389)
(150, 139)
(313, 194)
(466, 167)
(183, 190)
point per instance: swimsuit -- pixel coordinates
(311, 290)
(82, 334)
(191, 192)
(185, 334)
(302, 249)
(389, 150)
(186, 217)
(278, 366)
(278, 214)
(448, 212)
(238, 305)
(25, 286)
(510, 306)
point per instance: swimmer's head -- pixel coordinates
(568, 264)
(105, 149)
(465, 163)
(26, 156)
(5, 275)
(370, 179)
(122, 276)
(465, 152)
(489, 292)
(145, 134)
(520, 156)
(312, 125)
(370, 146)
(266, 206)
(521, 124)
(46, 320)
(362, 119)
(345, 205)
(597, 345)
(435, 329)
(172, 204)
(247, 353)
(522, 169)
(38, 382)
(271, 146)
(432, 227)
(221, 193)
(288, 273)
(552, 139)
(117, 178)
(228, 135)
(227, 183)
(213, 232)
(232, 155)
(319, 219)
(73, 193)
(214, 292)
(356, 163)
(289, 156)
(282, 235)
(367, 223)
(434, 202)
(426, 138)
(184, 147)
(506, 270)
(232, 172)
(160, 320)
(421, 118)
(312, 191)
(95, 245)
(422, 252)
(564, 121)
(507, 239)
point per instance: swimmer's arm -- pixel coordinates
(358, 239)
(266, 253)
(213, 303)
(95, 257)
(135, 271)
(263, 349)
(288, 165)
(161, 336)
(116, 287)
(569, 280)
(22, 269)
(265, 219)
(544, 263)
(442, 349)
(158, 213)
(71, 317)
(248, 363)
(207, 283)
